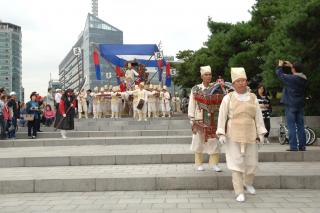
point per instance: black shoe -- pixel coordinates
(292, 150)
(302, 149)
(39, 131)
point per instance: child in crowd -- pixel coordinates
(49, 115)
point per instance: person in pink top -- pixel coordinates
(49, 115)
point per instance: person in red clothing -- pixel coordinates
(49, 115)
(66, 112)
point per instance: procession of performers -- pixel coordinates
(114, 101)
(239, 129)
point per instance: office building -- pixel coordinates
(78, 63)
(10, 58)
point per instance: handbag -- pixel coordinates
(28, 117)
(140, 104)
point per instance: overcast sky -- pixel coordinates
(51, 27)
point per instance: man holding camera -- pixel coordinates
(293, 98)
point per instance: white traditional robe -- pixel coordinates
(198, 145)
(236, 160)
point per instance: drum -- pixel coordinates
(140, 104)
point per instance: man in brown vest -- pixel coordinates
(240, 128)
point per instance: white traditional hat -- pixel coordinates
(114, 89)
(237, 72)
(102, 89)
(95, 89)
(110, 87)
(150, 86)
(205, 69)
(106, 87)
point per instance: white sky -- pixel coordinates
(51, 27)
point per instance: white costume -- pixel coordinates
(129, 75)
(141, 93)
(165, 102)
(245, 124)
(151, 102)
(107, 101)
(198, 145)
(135, 101)
(115, 102)
(95, 102)
(57, 98)
(176, 104)
(82, 104)
(101, 104)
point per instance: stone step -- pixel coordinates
(133, 154)
(280, 175)
(125, 140)
(76, 134)
(118, 127)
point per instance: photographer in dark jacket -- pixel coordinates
(293, 98)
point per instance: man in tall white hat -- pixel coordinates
(199, 146)
(240, 128)
(151, 102)
(82, 104)
(142, 95)
(129, 75)
(101, 103)
(165, 102)
(114, 103)
(135, 101)
(95, 102)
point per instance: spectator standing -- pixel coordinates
(33, 108)
(265, 107)
(293, 98)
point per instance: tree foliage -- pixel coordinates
(285, 29)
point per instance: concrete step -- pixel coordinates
(119, 126)
(280, 175)
(76, 134)
(177, 139)
(133, 154)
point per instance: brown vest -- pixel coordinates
(242, 124)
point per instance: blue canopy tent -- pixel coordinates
(119, 54)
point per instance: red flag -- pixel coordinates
(96, 57)
(122, 87)
(119, 72)
(160, 63)
(168, 69)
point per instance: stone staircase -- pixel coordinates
(103, 155)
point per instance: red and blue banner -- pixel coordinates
(96, 62)
(168, 74)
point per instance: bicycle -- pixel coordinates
(283, 135)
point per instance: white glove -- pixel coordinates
(260, 142)
(71, 105)
(222, 139)
(64, 115)
(191, 122)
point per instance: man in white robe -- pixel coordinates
(240, 128)
(199, 146)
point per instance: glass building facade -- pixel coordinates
(73, 69)
(10, 58)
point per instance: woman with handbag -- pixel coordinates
(32, 116)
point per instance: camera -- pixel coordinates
(285, 67)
